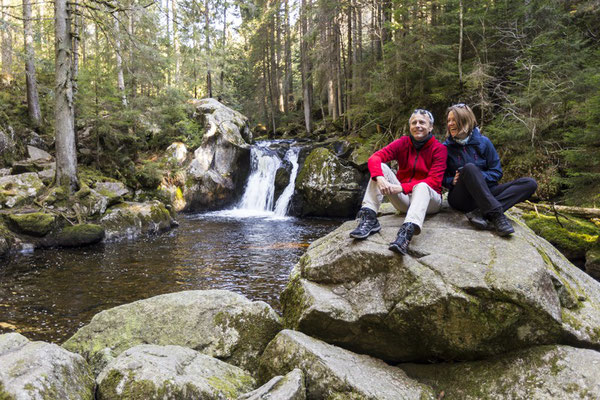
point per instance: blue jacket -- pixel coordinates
(479, 151)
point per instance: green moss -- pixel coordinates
(34, 224)
(81, 234)
(231, 385)
(294, 303)
(574, 238)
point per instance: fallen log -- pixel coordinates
(575, 211)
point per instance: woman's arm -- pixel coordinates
(493, 173)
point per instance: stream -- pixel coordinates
(249, 249)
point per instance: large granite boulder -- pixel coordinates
(220, 164)
(334, 373)
(545, 372)
(132, 219)
(217, 323)
(325, 187)
(19, 189)
(39, 370)
(459, 294)
(289, 387)
(170, 372)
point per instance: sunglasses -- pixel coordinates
(460, 105)
(424, 112)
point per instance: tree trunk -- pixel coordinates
(119, 60)
(176, 54)
(75, 37)
(33, 103)
(288, 87)
(207, 38)
(66, 156)
(223, 43)
(460, 44)
(7, 47)
(306, 64)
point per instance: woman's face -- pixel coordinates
(420, 126)
(453, 127)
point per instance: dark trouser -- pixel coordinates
(471, 192)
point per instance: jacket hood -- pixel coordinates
(475, 138)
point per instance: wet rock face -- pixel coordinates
(170, 372)
(217, 323)
(220, 164)
(459, 294)
(39, 370)
(325, 187)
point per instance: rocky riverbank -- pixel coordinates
(465, 315)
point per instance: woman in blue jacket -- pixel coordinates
(473, 171)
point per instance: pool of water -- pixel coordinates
(48, 295)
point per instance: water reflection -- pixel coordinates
(47, 295)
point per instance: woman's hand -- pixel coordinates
(387, 188)
(455, 180)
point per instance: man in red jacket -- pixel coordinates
(415, 189)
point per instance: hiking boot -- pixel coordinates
(477, 219)
(405, 234)
(368, 224)
(501, 224)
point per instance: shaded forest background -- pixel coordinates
(350, 68)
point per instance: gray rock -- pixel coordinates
(331, 372)
(545, 372)
(131, 219)
(217, 323)
(19, 189)
(39, 370)
(36, 154)
(112, 189)
(217, 170)
(282, 178)
(177, 153)
(327, 188)
(170, 372)
(289, 387)
(459, 294)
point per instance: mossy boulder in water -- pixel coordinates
(217, 323)
(459, 294)
(334, 373)
(80, 235)
(170, 372)
(35, 224)
(325, 187)
(132, 219)
(39, 370)
(545, 372)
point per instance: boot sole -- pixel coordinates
(396, 249)
(372, 231)
(505, 233)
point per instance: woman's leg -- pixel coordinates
(511, 193)
(471, 192)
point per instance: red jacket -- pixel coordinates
(425, 165)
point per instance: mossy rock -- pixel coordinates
(573, 236)
(80, 235)
(35, 224)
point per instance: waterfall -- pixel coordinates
(258, 197)
(283, 202)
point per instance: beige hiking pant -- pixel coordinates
(423, 199)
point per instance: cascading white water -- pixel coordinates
(257, 200)
(260, 189)
(283, 201)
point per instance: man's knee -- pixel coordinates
(420, 186)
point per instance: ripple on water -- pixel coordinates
(47, 295)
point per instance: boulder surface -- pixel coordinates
(132, 219)
(170, 372)
(460, 294)
(39, 370)
(545, 372)
(331, 372)
(325, 187)
(217, 323)
(289, 387)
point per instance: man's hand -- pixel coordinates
(387, 188)
(455, 180)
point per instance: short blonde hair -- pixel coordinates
(464, 118)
